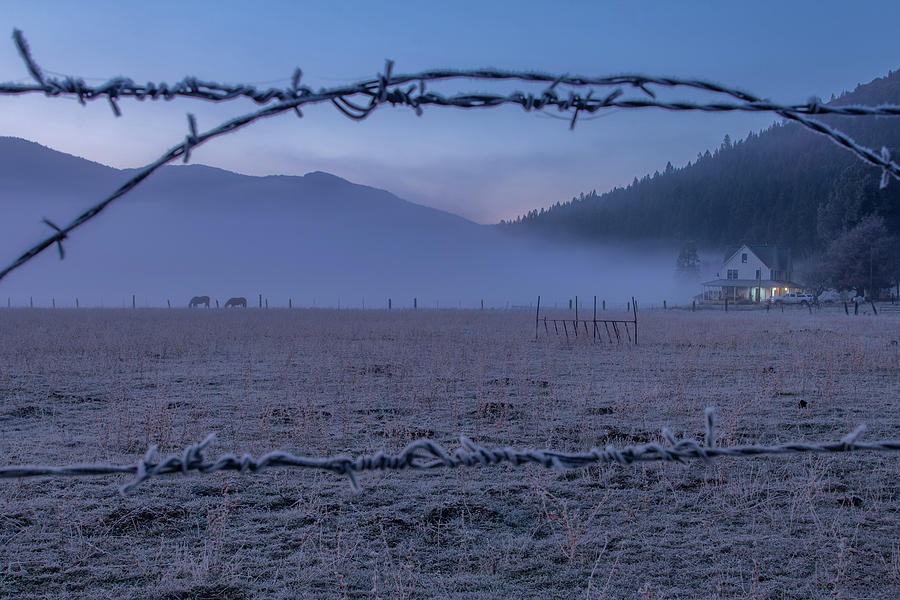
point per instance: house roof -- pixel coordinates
(772, 256)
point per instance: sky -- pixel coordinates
(484, 165)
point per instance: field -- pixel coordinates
(101, 385)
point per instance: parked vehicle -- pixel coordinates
(795, 298)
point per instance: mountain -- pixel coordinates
(785, 185)
(316, 239)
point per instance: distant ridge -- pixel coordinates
(785, 185)
(315, 240)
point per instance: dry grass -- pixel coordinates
(93, 385)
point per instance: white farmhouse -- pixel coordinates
(753, 273)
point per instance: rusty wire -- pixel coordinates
(427, 454)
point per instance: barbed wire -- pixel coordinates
(191, 87)
(357, 101)
(426, 454)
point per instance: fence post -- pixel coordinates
(168, 302)
(628, 306)
(389, 304)
(290, 303)
(260, 300)
(576, 309)
(726, 303)
(855, 308)
(30, 301)
(693, 305)
(537, 317)
(604, 305)
(267, 303)
(217, 303)
(664, 305)
(76, 303)
(634, 307)
(415, 303)
(570, 304)
(482, 304)
(872, 302)
(133, 302)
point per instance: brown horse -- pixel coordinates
(236, 302)
(198, 300)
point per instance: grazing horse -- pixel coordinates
(198, 300)
(236, 302)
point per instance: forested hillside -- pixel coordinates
(785, 185)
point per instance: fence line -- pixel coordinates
(427, 454)
(596, 331)
(358, 100)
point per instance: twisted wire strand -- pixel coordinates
(425, 454)
(192, 87)
(357, 101)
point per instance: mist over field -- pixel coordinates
(318, 240)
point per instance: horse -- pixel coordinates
(236, 302)
(198, 300)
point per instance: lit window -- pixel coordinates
(744, 258)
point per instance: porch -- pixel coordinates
(746, 290)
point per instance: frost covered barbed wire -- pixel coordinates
(567, 93)
(427, 454)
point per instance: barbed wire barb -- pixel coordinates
(426, 454)
(387, 87)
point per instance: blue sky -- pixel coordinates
(485, 165)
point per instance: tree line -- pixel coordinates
(784, 185)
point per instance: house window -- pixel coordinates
(732, 274)
(758, 274)
(744, 257)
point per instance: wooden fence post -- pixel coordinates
(415, 303)
(31, 301)
(133, 302)
(168, 302)
(537, 316)
(290, 303)
(634, 306)
(389, 304)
